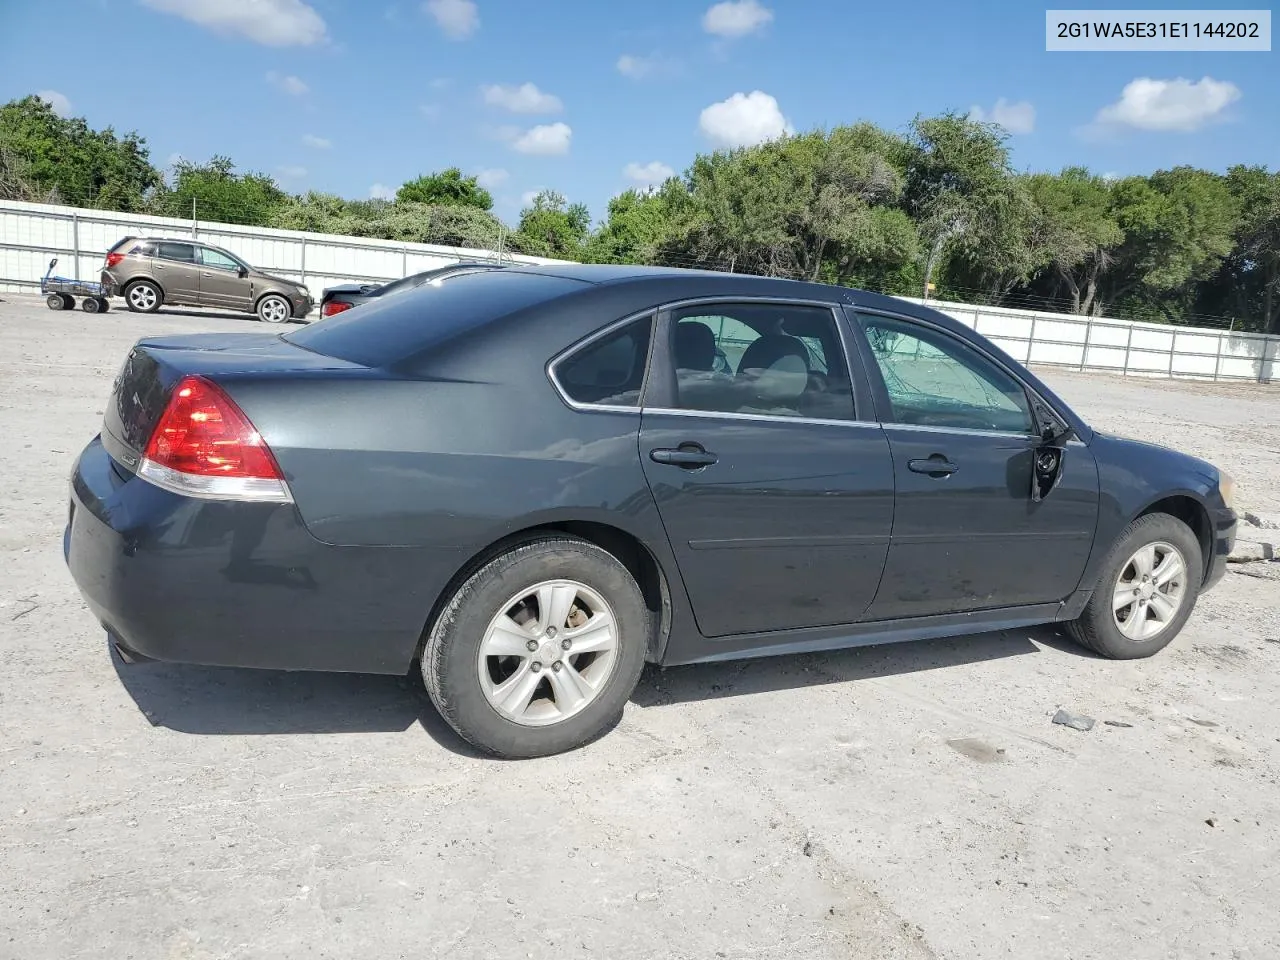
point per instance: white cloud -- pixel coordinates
(637, 68)
(745, 119)
(458, 19)
(648, 174)
(317, 143)
(288, 83)
(1017, 117)
(61, 105)
(546, 140)
(293, 173)
(1169, 105)
(491, 178)
(736, 18)
(526, 98)
(440, 83)
(380, 191)
(272, 23)
(174, 159)
(527, 198)
(431, 111)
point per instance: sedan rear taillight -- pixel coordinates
(113, 259)
(204, 446)
(334, 307)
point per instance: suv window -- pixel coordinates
(184, 252)
(608, 371)
(145, 249)
(219, 261)
(761, 358)
(935, 380)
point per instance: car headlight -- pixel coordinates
(1227, 488)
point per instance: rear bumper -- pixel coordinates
(236, 584)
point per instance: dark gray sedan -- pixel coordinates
(532, 481)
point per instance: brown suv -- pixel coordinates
(149, 271)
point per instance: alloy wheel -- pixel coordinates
(1150, 591)
(548, 652)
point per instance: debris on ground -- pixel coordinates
(1118, 723)
(976, 749)
(1073, 720)
(1261, 521)
(1250, 551)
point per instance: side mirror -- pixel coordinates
(1047, 459)
(242, 273)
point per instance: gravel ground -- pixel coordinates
(912, 801)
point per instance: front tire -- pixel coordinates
(143, 296)
(538, 651)
(274, 308)
(1147, 590)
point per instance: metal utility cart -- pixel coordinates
(61, 292)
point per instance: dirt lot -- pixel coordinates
(900, 802)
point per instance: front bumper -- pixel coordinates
(1224, 541)
(234, 584)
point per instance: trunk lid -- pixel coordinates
(141, 389)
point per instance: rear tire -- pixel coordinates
(143, 296)
(91, 305)
(1147, 590)
(55, 302)
(514, 702)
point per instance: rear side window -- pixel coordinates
(182, 252)
(392, 329)
(608, 371)
(147, 249)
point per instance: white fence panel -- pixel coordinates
(31, 233)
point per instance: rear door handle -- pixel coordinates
(935, 466)
(689, 456)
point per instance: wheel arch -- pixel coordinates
(625, 546)
(124, 287)
(272, 293)
(1191, 510)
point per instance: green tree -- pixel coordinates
(635, 225)
(552, 227)
(1080, 231)
(963, 197)
(214, 191)
(449, 188)
(1179, 225)
(45, 156)
(1247, 285)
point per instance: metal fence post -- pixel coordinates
(1084, 351)
(1031, 339)
(1128, 345)
(1173, 349)
(75, 242)
(404, 261)
(304, 261)
(1217, 362)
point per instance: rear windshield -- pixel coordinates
(391, 329)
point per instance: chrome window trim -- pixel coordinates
(550, 369)
(861, 312)
(831, 307)
(764, 417)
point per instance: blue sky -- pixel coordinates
(591, 96)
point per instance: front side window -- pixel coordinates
(935, 380)
(219, 261)
(182, 252)
(761, 358)
(608, 371)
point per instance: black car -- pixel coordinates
(344, 296)
(533, 481)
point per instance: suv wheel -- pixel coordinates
(143, 296)
(273, 308)
(539, 649)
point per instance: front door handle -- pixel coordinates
(935, 466)
(689, 456)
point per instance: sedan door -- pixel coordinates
(221, 282)
(967, 534)
(177, 272)
(777, 500)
